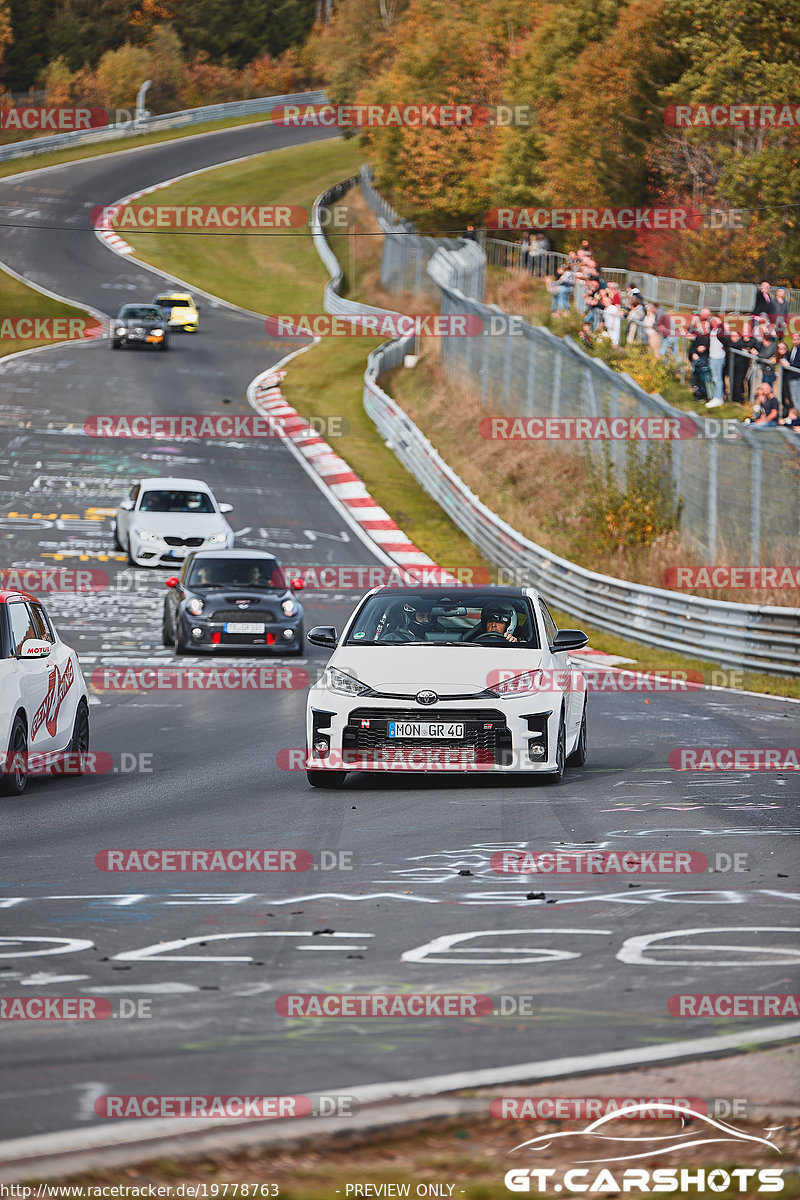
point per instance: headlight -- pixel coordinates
(195, 606)
(217, 539)
(157, 331)
(521, 685)
(145, 535)
(121, 329)
(338, 681)
(289, 607)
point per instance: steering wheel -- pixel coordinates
(490, 637)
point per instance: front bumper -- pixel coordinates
(505, 736)
(187, 322)
(161, 553)
(206, 633)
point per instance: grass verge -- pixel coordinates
(279, 274)
(20, 301)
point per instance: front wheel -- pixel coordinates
(165, 344)
(561, 754)
(15, 768)
(79, 745)
(326, 779)
(578, 756)
(180, 644)
(167, 638)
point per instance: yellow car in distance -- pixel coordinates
(181, 310)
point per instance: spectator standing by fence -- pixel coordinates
(717, 352)
(764, 305)
(793, 362)
(781, 312)
(650, 331)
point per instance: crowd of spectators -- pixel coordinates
(739, 358)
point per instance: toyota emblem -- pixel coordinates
(426, 697)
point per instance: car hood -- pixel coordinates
(181, 524)
(446, 670)
(143, 323)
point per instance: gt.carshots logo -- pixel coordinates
(736, 758)
(30, 119)
(594, 218)
(383, 325)
(48, 329)
(147, 218)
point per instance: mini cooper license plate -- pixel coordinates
(245, 627)
(426, 729)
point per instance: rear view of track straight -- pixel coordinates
(414, 904)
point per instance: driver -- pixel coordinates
(419, 618)
(500, 620)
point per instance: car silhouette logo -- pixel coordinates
(426, 697)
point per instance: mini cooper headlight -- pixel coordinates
(338, 681)
(289, 607)
(195, 606)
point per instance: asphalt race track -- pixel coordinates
(410, 902)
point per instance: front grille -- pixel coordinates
(177, 541)
(485, 731)
(242, 614)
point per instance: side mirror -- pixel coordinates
(570, 639)
(127, 505)
(226, 508)
(172, 582)
(297, 585)
(34, 648)
(323, 635)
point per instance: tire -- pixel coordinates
(116, 344)
(326, 779)
(117, 543)
(167, 637)
(578, 756)
(13, 783)
(561, 754)
(179, 643)
(165, 344)
(80, 736)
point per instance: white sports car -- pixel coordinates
(44, 705)
(434, 680)
(162, 519)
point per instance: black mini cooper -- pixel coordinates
(227, 599)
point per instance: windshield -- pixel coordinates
(156, 501)
(174, 301)
(140, 312)
(263, 573)
(441, 618)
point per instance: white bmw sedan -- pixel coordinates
(468, 679)
(163, 519)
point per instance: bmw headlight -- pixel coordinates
(217, 539)
(289, 608)
(146, 535)
(338, 681)
(195, 606)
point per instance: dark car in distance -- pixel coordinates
(232, 599)
(140, 325)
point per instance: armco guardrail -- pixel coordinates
(335, 303)
(187, 116)
(738, 636)
(741, 636)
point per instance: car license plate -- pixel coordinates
(245, 627)
(181, 553)
(426, 729)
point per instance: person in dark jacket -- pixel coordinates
(738, 365)
(702, 383)
(764, 304)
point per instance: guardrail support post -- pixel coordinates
(755, 510)
(713, 465)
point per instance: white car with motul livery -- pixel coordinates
(44, 704)
(475, 679)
